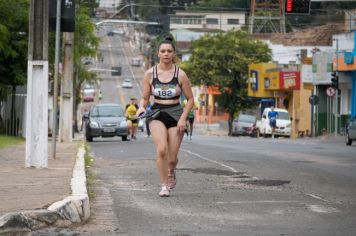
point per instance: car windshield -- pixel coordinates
(283, 115)
(127, 80)
(107, 111)
(247, 119)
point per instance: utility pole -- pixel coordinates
(66, 108)
(55, 86)
(37, 87)
(337, 88)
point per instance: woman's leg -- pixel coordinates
(159, 136)
(129, 126)
(191, 122)
(174, 140)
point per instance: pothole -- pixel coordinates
(213, 171)
(266, 182)
(304, 162)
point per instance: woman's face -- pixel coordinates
(166, 53)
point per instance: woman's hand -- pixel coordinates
(181, 125)
(140, 111)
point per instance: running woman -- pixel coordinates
(166, 82)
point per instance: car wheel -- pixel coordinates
(124, 138)
(89, 138)
(258, 133)
(348, 140)
(264, 134)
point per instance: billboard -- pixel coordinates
(289, 80)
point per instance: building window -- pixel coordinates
(232, 21)
(187, 20)
(176, 20)
(212, 21)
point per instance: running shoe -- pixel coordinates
(172, 181)
(164, 191)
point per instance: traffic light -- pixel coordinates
(334, 80)
(67, 15)
(297, 6)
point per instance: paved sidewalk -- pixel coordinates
(25, 192)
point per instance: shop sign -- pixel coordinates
(254, 80)
(348, 57)
(267, 83)
(289, 80)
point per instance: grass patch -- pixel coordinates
(91, 178)
(6, 141)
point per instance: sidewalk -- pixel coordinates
(35, 198)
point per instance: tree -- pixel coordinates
(13, 42)
(13, 46)
(223, 60)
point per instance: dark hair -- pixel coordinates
(167, 40)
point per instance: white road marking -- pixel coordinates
(209, 160)
(317, 197)
(253, 202)
(322, 209)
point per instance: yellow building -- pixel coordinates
(267, 80)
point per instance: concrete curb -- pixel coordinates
(72, 209)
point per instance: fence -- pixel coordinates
(12, 111)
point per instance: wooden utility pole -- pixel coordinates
(37, 87)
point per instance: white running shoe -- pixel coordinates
(164, 191)
(172, 181)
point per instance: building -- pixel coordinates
(207, 21)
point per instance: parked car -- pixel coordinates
(141, 125)
(244, 125)
(136, 61)
(88, 95)
(283, 123)
(351, 132)
(106, 120)
(127, 83)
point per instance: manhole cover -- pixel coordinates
(266, 182)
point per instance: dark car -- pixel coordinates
(351, 132)
(106, 120)
(244, 125)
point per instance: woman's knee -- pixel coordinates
(162, 152)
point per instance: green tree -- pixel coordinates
(13, 42)
(227, 4)
(223, 60)
(13, 46)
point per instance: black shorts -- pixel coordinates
(169, 114)
(191, 120)
(134, 122)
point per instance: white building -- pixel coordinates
(110, 6)
(222, 21)
(109, 3)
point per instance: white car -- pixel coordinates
(283, 123)
(136, 61)
(127, 83)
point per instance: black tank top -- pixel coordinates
(168, 90)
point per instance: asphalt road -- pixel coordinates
(230, 186)
(226, 185)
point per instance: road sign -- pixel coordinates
(330, 91)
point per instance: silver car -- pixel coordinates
(351, 132)
(106, 120)
(244, 125)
